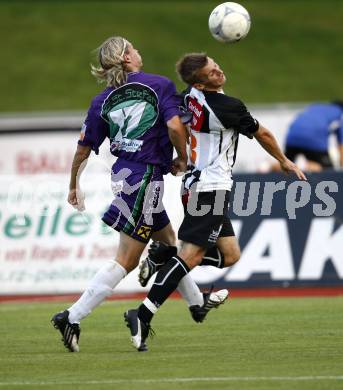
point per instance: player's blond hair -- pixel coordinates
(111, 59)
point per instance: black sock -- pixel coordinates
(160, 253)
(213, 257)
(167, 279)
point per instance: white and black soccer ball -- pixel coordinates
(229, 22)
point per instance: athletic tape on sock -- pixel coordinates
(150, 306)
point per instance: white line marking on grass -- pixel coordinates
(176, 380)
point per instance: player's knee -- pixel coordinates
(128, 262)
(171, 238)
(193, 261)
(232, 257)
(165, 235)
(192, 258)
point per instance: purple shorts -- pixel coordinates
(137, 208)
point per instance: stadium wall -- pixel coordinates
(290, 233)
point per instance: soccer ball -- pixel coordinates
(229, 22)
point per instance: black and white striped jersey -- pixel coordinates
(217, 120)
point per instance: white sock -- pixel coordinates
(100, 287)
(190, 291)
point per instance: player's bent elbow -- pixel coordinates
(262, 134)
(175, 125)
(83, 151)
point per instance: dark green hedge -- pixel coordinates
(293, 52)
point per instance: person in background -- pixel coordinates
(308, 135)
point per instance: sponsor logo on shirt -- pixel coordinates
(117, 186)
(198, 115)
(128, 145)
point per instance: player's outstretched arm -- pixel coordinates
(267, 140)
(75, 197)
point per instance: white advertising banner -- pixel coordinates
(45, 152)
(46, 246)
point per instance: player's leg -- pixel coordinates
(197, 233)
(162, 250)
(124, 215)
(199, 303)
(224, 254)
(107, 278)
(168, 278)
(159, 253)
(166, 281)
(99, 288)
(229, 249)
(191, 229)
(165, 235)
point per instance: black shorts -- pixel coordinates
(203, 225)
(321, 158)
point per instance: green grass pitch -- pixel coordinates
(293, 52)
(273, 343)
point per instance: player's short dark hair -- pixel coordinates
(189, 65)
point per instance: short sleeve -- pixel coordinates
(94, 129)
(247, 125)
(232, 113)
(170, 102)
